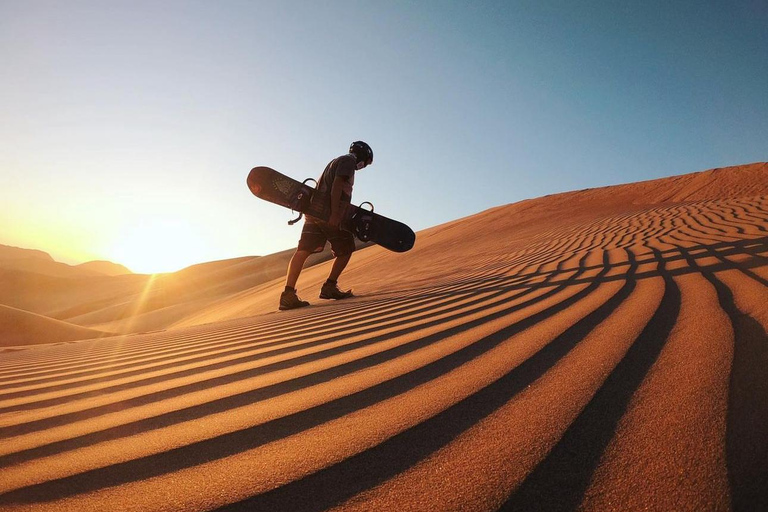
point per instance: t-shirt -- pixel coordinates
(345, 165)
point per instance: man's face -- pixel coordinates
(363, 165)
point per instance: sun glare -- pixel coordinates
(155, 246)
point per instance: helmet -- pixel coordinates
(362, 151)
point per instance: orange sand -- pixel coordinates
(603, 349)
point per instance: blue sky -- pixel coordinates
(127, 128)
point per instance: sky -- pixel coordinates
(127, 128)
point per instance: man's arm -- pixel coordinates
(337, 208)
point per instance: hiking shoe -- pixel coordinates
(289, 300)
(331, 291)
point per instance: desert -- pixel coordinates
(601, 349)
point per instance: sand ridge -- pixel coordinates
(601, 349)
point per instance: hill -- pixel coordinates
(443, 249)
(106, 268)
(8, 252)
(22, 328)
(39, 262)
(130, 303)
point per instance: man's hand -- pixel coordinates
(338, 208)
(335, 220)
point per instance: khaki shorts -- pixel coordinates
(316, 233)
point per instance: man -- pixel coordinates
(335, 189)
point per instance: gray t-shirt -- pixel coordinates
(345, 165)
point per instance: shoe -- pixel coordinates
(331, 291)
(289, 300)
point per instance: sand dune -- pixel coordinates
(136, 303)
(597, 350)
(18, 328)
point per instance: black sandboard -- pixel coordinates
(270, 185)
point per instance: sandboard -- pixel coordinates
(275, 187)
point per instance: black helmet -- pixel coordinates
(362, 151)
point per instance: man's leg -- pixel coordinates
(289, 299)
(330, 289)
(295, 267)
(339, 264)
(343, 251)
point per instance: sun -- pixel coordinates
(158, 245)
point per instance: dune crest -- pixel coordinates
(20, 328)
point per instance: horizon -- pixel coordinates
(129, 128)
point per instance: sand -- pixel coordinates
(22, 328)
(603, 349)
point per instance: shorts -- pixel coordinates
(315, 234)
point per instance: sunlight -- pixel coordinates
(158, 245)
(139, 304)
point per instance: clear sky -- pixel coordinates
(127, 128)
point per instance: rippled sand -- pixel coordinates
(598, 350)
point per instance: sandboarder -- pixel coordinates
(335, 188)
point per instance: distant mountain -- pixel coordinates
(39, 262)
(8, 252)
(47, 267)
(105, 267)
